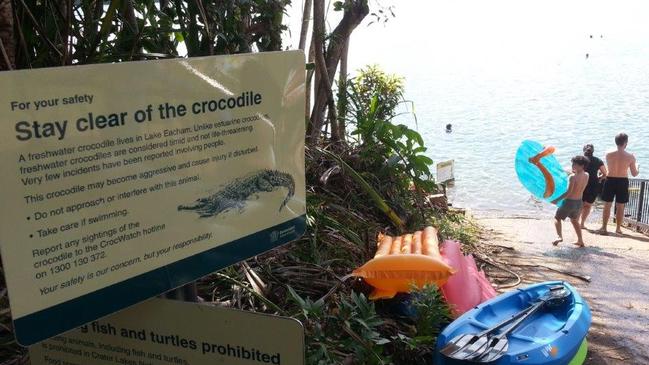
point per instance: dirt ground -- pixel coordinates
(617, 267)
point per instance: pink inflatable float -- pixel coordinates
(468, 287)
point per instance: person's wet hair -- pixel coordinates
(580, 160)
(588, 150)
(621, 139)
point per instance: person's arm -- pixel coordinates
(571, 186)
(634, 167)
(603, 172)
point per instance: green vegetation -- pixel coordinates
(354, 191)
(366, 173)
(352, 194)
(391, 148)
(55, 33)
(432, 313)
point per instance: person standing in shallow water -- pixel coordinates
(595, 166)
(616, 185)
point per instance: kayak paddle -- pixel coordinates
(464, 341)
(471, 346)
(498, 345)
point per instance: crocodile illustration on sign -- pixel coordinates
(236, 193)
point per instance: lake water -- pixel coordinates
(505, 71)
(564, 103)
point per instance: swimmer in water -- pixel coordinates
(449, 128)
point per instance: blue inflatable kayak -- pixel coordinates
(551, 336)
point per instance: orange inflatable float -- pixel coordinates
(403, 262)
(549, 181)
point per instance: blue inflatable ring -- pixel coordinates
(540, 172)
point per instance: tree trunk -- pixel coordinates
(317, 45)
(7, 39)
(306, 16)
(128, 12)
(317, 116)
(342, 92)
(355, 12)
(65, 10)
(308, 88)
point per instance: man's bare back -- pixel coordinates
(620, 162)
(578, 182)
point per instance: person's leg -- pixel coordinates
(619, 217)
(608, 195)
(575, 225)
(605, 216)
(584, 213)
(620, 200)
(557, 226)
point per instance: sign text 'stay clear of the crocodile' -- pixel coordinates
(123, 181)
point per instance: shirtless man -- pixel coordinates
(571, 206)
(616, 185)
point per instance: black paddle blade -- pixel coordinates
(496, 349)
(458, 343)
(477, 348)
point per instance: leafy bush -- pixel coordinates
(373, 98)
(432, 313)
(393, 154)
(142, 29)
(373, 83)
(429, 315)
(456, 226)
(348, 327)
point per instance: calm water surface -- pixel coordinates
(566, 105)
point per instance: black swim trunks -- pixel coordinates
(590, 194)
(616, 187)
